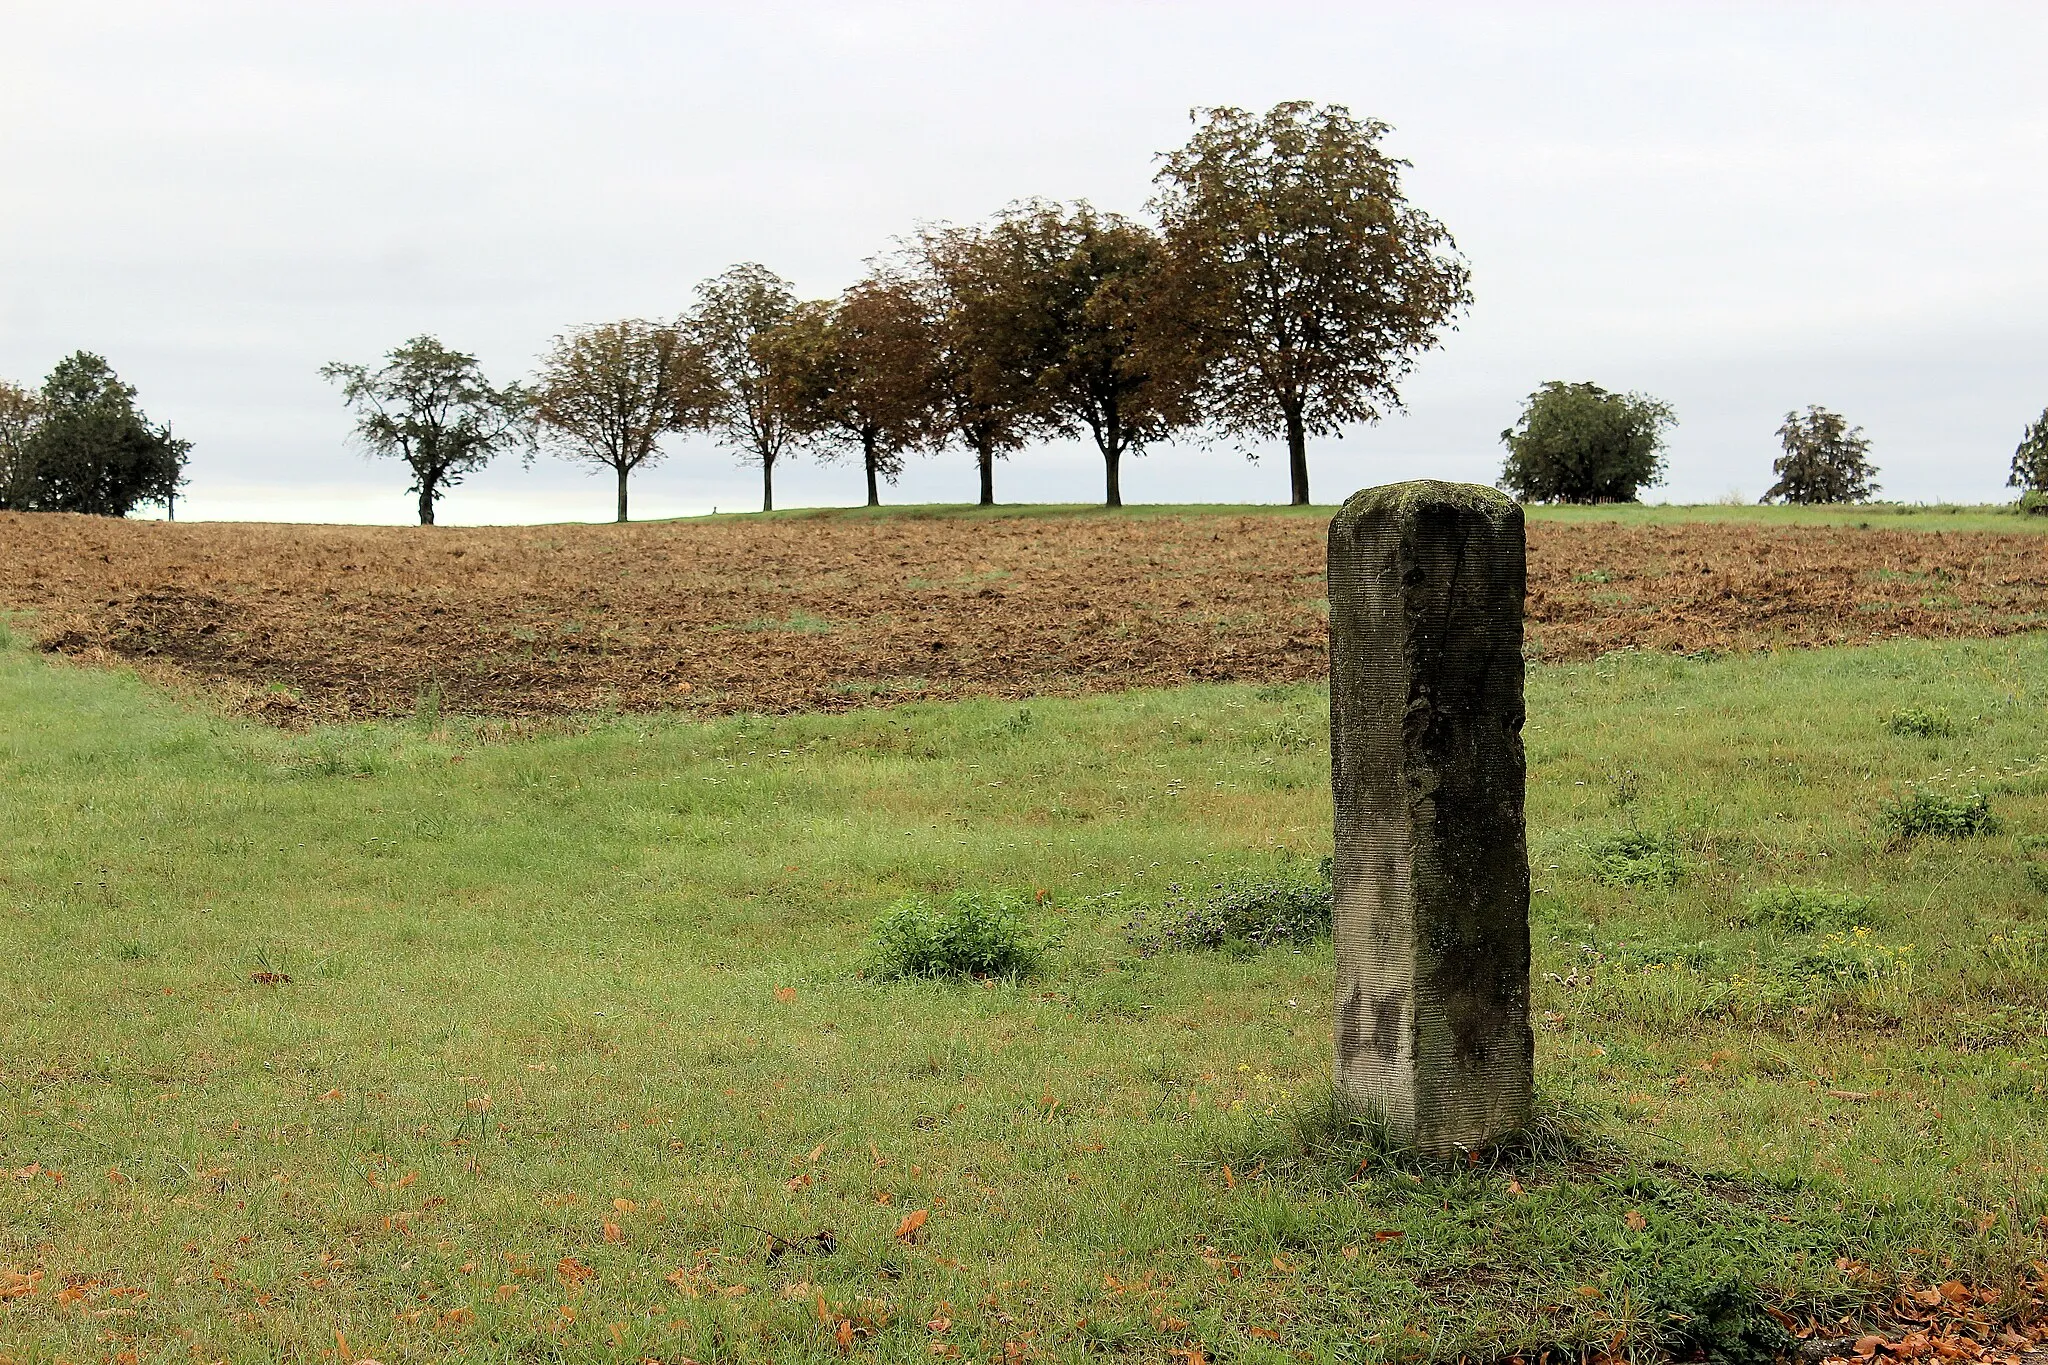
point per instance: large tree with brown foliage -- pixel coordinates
(1096, 319)
(607, 394)
(986, 369)
(1316, 284)
(735, 314)
(860, 374)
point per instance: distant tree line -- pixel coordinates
(1283, 288)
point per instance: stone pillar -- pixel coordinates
(1432, 861)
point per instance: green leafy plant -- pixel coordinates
(1855, 956)
(1806, 909)
(1926, 814)
(1245, 910)
(975, 934)
(1637, 857)
(1926, 722)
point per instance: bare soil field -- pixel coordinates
(321, 623)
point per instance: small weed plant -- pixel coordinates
(1637, 857)
(974, 934)
(1809, 909)
(1923, 722)
(1932, 815)
(1244, 911)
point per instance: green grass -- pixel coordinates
(536, 969)
(1882, 516)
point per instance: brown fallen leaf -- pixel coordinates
(1635, 1220)
(571, 1271)
(912, 1225)
(785, 994)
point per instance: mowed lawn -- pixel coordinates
(576, 1016)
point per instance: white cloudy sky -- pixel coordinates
(1738, 208)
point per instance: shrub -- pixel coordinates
(976, 933)
(1927, 814)
(1638, 857)
(1244, 910)
(1848, 958)
(1927, 722)
(2034, 503)
(1805, 909)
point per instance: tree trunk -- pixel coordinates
(170, 507)
(867, 445)
(1115, 495)
(767, 485)
(986, 459)
(426, 501)
(1297, 458)
(622, 492)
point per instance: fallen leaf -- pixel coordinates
(332, 1095)
(939, 1326)
(1389, 1235)
(795, 1183)
(1229, 1180)
(816, 1152)
(1351, 1253)
(1263, 1333)
(1635, 1220)
(1515, 1187)
(612, 1232)
(785, 993)
(625, 1206)
(571, 1271)
(912, 1225)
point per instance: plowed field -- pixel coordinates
(304, 623)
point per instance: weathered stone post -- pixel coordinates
(1432, 862)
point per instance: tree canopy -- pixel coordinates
(2030, 460)
(1580, 443)
(1825, 460)
(82, 445)
(734, 316)
(432, 408)
(985, 368)
(607, 394)
(1089, 298)
(861, 374)
(1313, 283)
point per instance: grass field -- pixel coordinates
(576, 1010)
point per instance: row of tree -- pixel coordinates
(80, 444)
(1283, 289)
(1580, 443)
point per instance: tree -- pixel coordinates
(21, 411)
(82, 445)
(861, 375)
(1580, 443)
(986, 378)
(1825, 460)
(608, 394)
(432, 407)
(734, 316)
(1089, 297)
(1316, 284)
(2030, 461)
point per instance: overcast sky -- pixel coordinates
(1738, 209)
